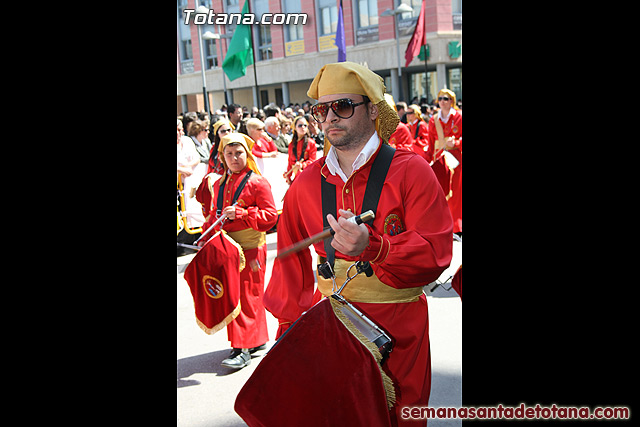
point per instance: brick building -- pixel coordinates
(289, 56)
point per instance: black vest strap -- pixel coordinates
(378, 174)
(236, 194)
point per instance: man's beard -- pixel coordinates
(347, 141)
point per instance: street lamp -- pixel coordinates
(213, 36)
(402, 8)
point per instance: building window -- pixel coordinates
(184, 35)
(293, 32)
(455, 82)
(264, 42)
(367, 13)
(231, 6)
(209, 48)
(210, 54)
(264, 31)
(416, 5)
(328, 17)
(456, 12)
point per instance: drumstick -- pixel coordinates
(325, 234)
(218, 221)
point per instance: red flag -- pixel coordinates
(418, 39)
(345, 389)
(214, 279)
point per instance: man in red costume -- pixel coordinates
(253, 214)
(408, 245)
(445, 135)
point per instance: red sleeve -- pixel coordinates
(401, 138)
(258, 148)
(420, 253)
(203, 195)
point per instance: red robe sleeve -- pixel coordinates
(203, 195)
(263, 146)
(401, 138)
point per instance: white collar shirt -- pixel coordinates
(365, 154)
(452, 111)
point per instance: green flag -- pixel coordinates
(240, 53)
(423, 51)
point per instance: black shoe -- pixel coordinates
(238, 359)
(260, 347)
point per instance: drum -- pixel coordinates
(213, 276)
(318, 374)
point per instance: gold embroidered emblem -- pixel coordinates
(212, 287)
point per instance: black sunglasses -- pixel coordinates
(443, 98)
(342, 108)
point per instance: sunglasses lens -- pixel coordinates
(319, 112)
(343, 108)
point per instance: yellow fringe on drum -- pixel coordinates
(225, 322)
(389, 390)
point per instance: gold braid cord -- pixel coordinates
(387, 120)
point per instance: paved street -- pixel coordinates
(206, 391)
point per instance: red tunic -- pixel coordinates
(263, 145)
(401, 138)
(255, 210)
(410, 246)
(451, 181)
(309, 154)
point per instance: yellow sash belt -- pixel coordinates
(248, 238)
(363, 288)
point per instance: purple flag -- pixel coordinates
(340, 40)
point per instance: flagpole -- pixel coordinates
(255, 62)
(426, 75)
(426, 54)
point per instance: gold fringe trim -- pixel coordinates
(387, 120)
(389, 389)
(243, 260)
(225, 322)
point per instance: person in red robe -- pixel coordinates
(302, 149)
(401, 138)
(418, 129)
(254, 213)
(264, 146)
(408, 245)
(450, 120)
